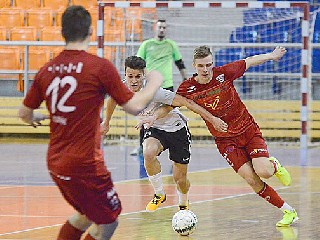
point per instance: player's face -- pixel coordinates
(203, 68)
(134, 78)
(161, 30)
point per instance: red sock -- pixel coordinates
(271, 196)
(88, 237)
(69, 232)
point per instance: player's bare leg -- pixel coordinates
(183, 184)
(267, 167)
(247, 172)
(151, 148)
(101, 231)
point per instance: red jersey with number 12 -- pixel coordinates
(74, 85)
(220, 98)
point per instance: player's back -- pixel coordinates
(74, 85)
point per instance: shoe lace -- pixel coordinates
(289, 215)
(183, 207)
(156, 199)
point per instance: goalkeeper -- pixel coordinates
(159, 53)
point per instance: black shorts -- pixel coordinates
(177, 142)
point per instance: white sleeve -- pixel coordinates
(164, 96)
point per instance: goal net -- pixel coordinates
(276, 93)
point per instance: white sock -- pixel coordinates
(286, 206)
(183, 198)
(156, 182)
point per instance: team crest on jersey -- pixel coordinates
(220, 78)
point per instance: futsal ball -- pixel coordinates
(184, 222)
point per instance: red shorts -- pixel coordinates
(93, 197)
(242, 148)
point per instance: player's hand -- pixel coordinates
(278, 53)
(104, 128)
(219, 124)
(37, 118)
(145, 121)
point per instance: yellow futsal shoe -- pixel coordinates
(289, 217)
(184, 207)
(282, 174)
(155, 202)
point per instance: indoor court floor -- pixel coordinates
(31, 207)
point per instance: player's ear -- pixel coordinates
(90, 31)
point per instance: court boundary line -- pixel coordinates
(131, 180)
(144, 211)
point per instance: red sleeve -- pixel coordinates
(34, 97)
(114, 86)
(233, 70)
(182, 90)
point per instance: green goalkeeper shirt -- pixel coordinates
(159, 55)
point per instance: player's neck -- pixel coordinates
(76, 46)
(202, 80)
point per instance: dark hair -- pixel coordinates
(76, 22)
(161, 20)
(201, 52)
(135, 62)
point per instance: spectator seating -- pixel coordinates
(55, 4)
(3, 33)
(25, 33)
(39, 18)
(52, 33)
(10, 60)
(316, 60)
(5, 3)
(86, 3)
(37, 58)
(27, 4)
(11, 17)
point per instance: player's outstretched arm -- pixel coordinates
(147, 121)
(216, 122)
(142, 98)
(275, 55)
(110, 107)
(28, 115)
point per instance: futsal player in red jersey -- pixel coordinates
(74, 85)
(242, 145)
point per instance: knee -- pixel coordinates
(149, 155)
(80, 221)
(103, 231)
(263, 167)
(262, 172)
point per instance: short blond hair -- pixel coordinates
(201, 52)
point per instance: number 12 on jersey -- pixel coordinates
(53, 90)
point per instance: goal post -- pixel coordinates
(276, 93)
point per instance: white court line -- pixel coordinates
(125, 214)
(30, 216)
(31, 229)
(2, 188)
